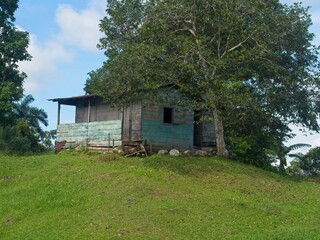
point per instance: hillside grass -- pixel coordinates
(78, 196)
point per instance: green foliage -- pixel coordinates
(307, 164)
(251, 64)
(18, 139)
(13, 48)
(24, 134)
(47, 139)
(32, 115)
(20, 130)
(76, 196)
(282, 152)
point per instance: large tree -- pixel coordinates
(20, 129)
(24, 134)
(13, 48)
(231, 58)
(33, 116)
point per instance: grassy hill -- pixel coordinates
(76, 196)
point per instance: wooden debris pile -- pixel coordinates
(139, 150)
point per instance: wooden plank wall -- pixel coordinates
(81, 114)
(98, 112)
(178, 134)
(208, 134)
(132, 124)
(106, 113)
(93, 134)
(136, 114)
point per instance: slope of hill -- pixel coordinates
(77, 196)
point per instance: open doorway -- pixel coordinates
(197, 130)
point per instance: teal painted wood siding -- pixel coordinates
(167, 135)
(93, 133)
(177, 134)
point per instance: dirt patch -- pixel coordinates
(8, 221)
(6, 178)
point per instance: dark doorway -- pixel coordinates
(197, 130)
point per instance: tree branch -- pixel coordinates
(237, 46)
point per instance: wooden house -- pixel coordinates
(157, 125)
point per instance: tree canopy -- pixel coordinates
(13, 48)
(250, 64)
(20, 123)
(306, 164)
(24, 134)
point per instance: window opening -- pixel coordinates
(167, 115)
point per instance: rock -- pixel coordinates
(163, 151)
(201, 153)
(188, 153)
(174, 152)
(115, 150)
(120, 151)
(209, 150)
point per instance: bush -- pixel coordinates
(19, 139)
(310, 162)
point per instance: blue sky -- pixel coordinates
(63, 39)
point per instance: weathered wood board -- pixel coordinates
(94, 133)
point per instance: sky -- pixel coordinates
(63, 39)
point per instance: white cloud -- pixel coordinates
(44, 60)
(98, 5)
(80, 29)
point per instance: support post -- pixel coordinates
(59, 109)
(89, 111)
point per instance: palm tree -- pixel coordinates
(32, 115)
(284, 151)
(307, 164)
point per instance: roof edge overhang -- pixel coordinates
(74, 100)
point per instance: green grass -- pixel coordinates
(76, 196)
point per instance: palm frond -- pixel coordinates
(296, 155)
(297, 146)
(27, 100)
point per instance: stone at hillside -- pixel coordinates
(210, 150)
(115, 150)
(174, 152)
(120, 151)
(163, 151)
(201, 153)
(188, 153)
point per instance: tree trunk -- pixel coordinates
(282, 164)
(221, 145)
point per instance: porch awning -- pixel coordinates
(74, 100)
